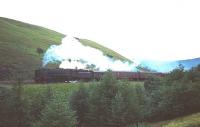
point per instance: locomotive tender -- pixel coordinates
(66, 75)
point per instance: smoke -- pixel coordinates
(159, 66)
(72, 54)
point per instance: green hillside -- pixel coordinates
(19, 42)
(186, 121)
(105, 50)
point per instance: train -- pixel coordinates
(44, 75)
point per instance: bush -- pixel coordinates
(57, 114)
(110, 103)
(176, 95)
(13, 108)
(79, 103)
(38, 103)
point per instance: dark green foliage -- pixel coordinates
(40, 51)
(79, 103)
(49, 110)
(177, 74)
(110, 103)
(101, 102)
(193, 75)
(152, 83)
(38, 103)
(57, 114)
(92, 67)
(13, 108)
(41, 110)
(5, 112)
(176, 95)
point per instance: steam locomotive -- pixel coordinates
(67, 75)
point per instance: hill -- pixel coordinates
(167, 66)
(108, 52)
(19, 42)
(186, 121)
(189, 63)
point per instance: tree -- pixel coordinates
(79, 103)
(92, 67)
(57, 114)
(38, 103)
(176, 74)
(118, 111)
(13, 108)
(40, 51)
(109, 103)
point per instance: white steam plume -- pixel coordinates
(71, 52)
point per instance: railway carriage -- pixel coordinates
(66, 75)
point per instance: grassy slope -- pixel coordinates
(19, 41)
(105, 50)
(187, 121)
(18, 44)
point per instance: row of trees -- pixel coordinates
(175, 95)
(43, 109)
(108, 103)
(113, 103)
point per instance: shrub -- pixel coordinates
(38, 103)
(13, 108)
(176, 95)
(110, 103)
(79, 103)
(57, 114)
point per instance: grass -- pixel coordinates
(18, 44)
(186, 121)
(32, 89)
(59, 88)
(19, 41)
(108, 52)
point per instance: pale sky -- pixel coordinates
(138, 29)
